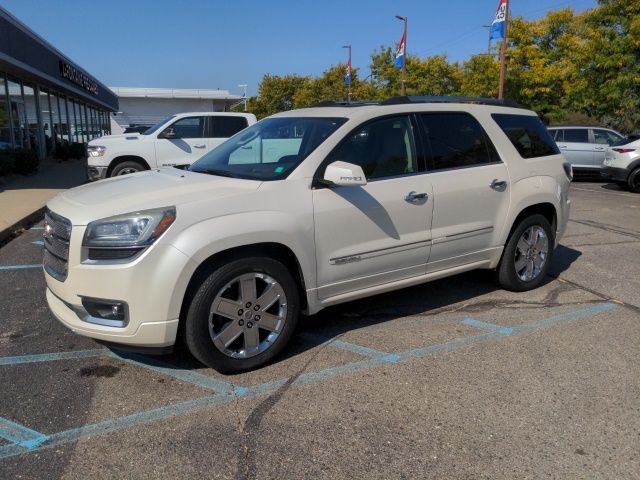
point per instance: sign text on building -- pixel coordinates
(71, 73)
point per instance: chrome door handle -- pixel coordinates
(498, 185)
(562, 146)
(599, 148)
(413, 196)
(199, 146)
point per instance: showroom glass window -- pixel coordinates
(47, 121)
(31, 116)
(16, 108)
(5, 124)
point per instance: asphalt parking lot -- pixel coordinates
(452, 379)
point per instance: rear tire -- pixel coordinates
(242, 314)
(527, 255)
(633, 182)
(126, 168)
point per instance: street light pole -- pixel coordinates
(503, 53)
(403, 85)
(244, 94)
(349, 72)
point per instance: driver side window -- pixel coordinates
(188, 127)
(383, 148)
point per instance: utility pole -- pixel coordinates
(503, 53)
(347, 77)
(489, 46)
(244, 94)
(403, 85)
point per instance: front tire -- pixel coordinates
(125, 168)
(242, 315)
(527, 255)
(634, 181)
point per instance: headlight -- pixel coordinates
(123, 236)
(96, 150)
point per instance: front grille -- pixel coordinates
(57, 234)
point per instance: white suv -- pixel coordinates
(306, 209)
(179, 139)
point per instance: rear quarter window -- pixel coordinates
(527, 134)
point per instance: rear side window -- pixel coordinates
(455, 140)
(225, 127)
(576, 135)
(527, 134)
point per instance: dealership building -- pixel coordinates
(147, 106)
(46, 99)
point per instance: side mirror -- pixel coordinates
(168, 134)
(344, 174)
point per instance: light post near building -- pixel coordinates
(244, 94)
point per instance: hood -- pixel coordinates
(143, 191)
(111, 138)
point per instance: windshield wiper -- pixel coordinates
(220, 173)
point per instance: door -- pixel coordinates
(182, 142)
(576, 147)
(377, 233)
(470, 189)
(222, 127)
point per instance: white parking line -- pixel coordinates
(605, 192)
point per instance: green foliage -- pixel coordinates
(21, 161)
(564, 65)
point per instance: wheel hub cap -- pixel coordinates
(531, 253)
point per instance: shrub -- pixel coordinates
(77, 150)
(20, 161)
(62, 152)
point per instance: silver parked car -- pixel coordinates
(583, 146)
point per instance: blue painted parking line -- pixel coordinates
(49, 357)
(350, 347)
(306, 378)
(200, 380)
(20, 435)
(38, 242)
(488, 326)
(20, 267)
(36, 228)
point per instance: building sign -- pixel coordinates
(74, 75)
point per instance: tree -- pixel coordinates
(480, 76)
(276, 94)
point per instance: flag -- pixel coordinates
(497, 27)
(347, 73)
(400, 53)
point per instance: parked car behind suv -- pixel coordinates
(622, 164)
(177, 140)
(306, 209)
(584, 147)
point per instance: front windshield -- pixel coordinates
(268, 150)
(157, 126)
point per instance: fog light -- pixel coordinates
(106, 309)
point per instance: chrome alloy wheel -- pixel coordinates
(247, 315)
(127, 171)
(531, 254)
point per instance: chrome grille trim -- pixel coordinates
(57, 235)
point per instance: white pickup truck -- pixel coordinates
(177, 140)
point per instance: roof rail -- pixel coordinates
(345, 103)
(400, 100)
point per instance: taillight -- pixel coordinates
(568, 170)
(623, 150)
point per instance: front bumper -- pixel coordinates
(96, 172)
(614, 173)
(152, 285)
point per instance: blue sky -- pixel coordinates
(221, 44)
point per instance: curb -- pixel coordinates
(13, 231)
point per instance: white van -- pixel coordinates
(179, 139)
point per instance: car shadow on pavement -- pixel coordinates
(423, 300)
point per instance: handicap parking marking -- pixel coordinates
(235, 391)
(20, 435)
(488, 326)
(36, 228)
(349, 347)
(20, 267)
(189, 376)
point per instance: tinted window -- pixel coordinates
(383, 148)
(527, 134)
(557, 135)
(576, 135)
(225, 127)
(605, 137)
(188, 127)
(455, 140)
(269, 149)
(157, 126)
